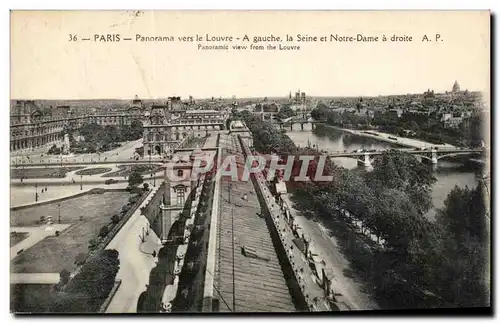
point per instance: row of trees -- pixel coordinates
(102, 138)
(286, 112)
(115, 219)
(419, 256)
(422, 126)
(88, 290)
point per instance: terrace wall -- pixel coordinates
(152, 210)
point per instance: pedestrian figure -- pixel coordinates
(154, 253)
(45, 189)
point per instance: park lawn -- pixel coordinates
(88, 206)
(53, 254)
(30, 298)
(196, 142)
(49, 172)
(16, 237)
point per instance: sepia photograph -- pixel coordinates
(175, 162)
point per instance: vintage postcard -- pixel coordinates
(249, 161)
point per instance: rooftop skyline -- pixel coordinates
(59, 69)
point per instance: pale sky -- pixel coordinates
(45, 65)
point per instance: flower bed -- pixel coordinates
(93, 171)
(143, 169)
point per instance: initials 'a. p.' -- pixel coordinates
(107, 38)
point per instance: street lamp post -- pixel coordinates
(36, 192)
(81, 182)
(59, 215)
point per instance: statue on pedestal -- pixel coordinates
(66, 144)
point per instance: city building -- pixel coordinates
(165, 125)
(237, 127)
(300, 97)
(31, 127)
(162, 132)
(453, 122)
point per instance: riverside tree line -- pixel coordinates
(421, 263)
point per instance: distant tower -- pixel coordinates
(456, 87)
(290, 96)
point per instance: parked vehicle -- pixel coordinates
(110, 181)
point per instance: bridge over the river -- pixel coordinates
(289, 122)
(365, 158)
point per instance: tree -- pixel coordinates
(461, 276)
(134, 179)
(80, 258)
(464, 213)
(145, 186)
(477, 124)
(92, 244)
(90, 287)
(70, 303)
(321, 111)
(400, 171)
(413, 126)
(115, 219)
(286, 112)
(64, 276)
(103, 231)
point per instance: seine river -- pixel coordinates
(448, 172)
